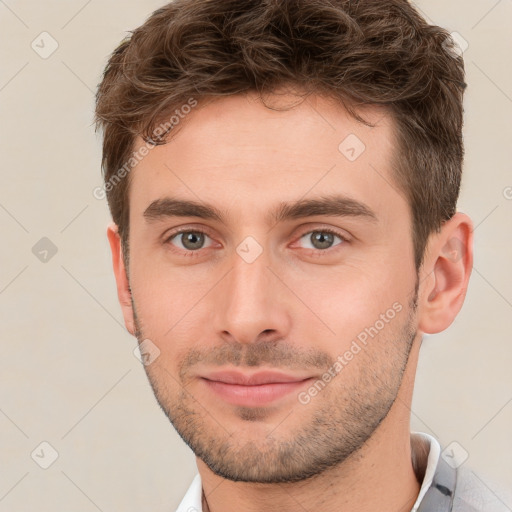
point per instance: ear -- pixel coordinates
(446, 271)
(123, 287)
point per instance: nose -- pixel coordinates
(251, 304)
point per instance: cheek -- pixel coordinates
(165, 293)
(351, 302)
(173, 307)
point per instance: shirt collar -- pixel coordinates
(433, 459)
(192, 501)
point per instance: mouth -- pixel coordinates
(252, 390)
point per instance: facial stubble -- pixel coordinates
(332, 428)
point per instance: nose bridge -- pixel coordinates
(250, 281)
(251, 301)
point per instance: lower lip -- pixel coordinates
(252, 396)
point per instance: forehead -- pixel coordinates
(236, 146)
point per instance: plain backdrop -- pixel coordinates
(68, 374)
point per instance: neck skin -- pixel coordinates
(378, 477)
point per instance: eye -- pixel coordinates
(321, 239)
(189, 240)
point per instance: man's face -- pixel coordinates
(302, 265)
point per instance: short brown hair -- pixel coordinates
(367, 52)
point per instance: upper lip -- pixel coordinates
(254, 379)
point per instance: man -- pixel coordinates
(283, 179)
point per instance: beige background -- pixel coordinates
(67, 370)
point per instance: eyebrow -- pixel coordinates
(334, 205)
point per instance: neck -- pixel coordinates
(366, 482)
(380, 476)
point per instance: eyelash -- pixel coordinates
(196, 253)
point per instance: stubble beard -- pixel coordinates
(334, 426)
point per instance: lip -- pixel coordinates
(252, 389)
(254, 379)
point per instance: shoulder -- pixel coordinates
(472, 494)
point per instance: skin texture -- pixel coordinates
(296, 308)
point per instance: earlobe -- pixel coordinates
(123, 285)
(449, 263)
